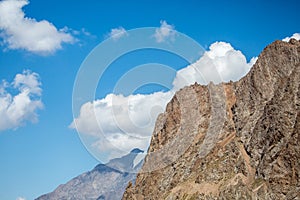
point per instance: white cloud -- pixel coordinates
(115, 113)
(117, 33)
(21, 32)
(221, 63)
(17, 109)
(20, 198)
(85, 32)
(125, 122)
(128, 122)
(118, 144)
(295, 36)
(164, 32)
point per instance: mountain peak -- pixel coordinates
(237, 140)
(136, 150)
(90, 185)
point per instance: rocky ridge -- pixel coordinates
(236, 140)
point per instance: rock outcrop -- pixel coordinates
(105, 181)
(236, 140)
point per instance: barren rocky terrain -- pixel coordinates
(236, 140)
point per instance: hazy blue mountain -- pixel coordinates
(105, 181)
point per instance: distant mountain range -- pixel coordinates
(105, 181)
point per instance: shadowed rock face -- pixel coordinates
(237, 140)
(105, 181)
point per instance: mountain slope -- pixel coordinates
(237, 140)
(103, 182)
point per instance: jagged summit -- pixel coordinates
(236, 140)
(136, 150)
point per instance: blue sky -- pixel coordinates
(36, 157)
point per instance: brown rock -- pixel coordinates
(236, 140)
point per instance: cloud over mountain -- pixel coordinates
(221, 63)
(120, 123)
(295, 36)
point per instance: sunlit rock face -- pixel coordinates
(236, 140)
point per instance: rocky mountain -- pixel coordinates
(105, 181)
(236, 140)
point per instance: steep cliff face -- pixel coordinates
(237, 140)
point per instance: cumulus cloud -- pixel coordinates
(121, 122)
(21, 32)
(221, 63)
(164, 32)
(20, 198)
(295, 36)
(126, 122)
(117, 33)
(20, 100)
(117, 145)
